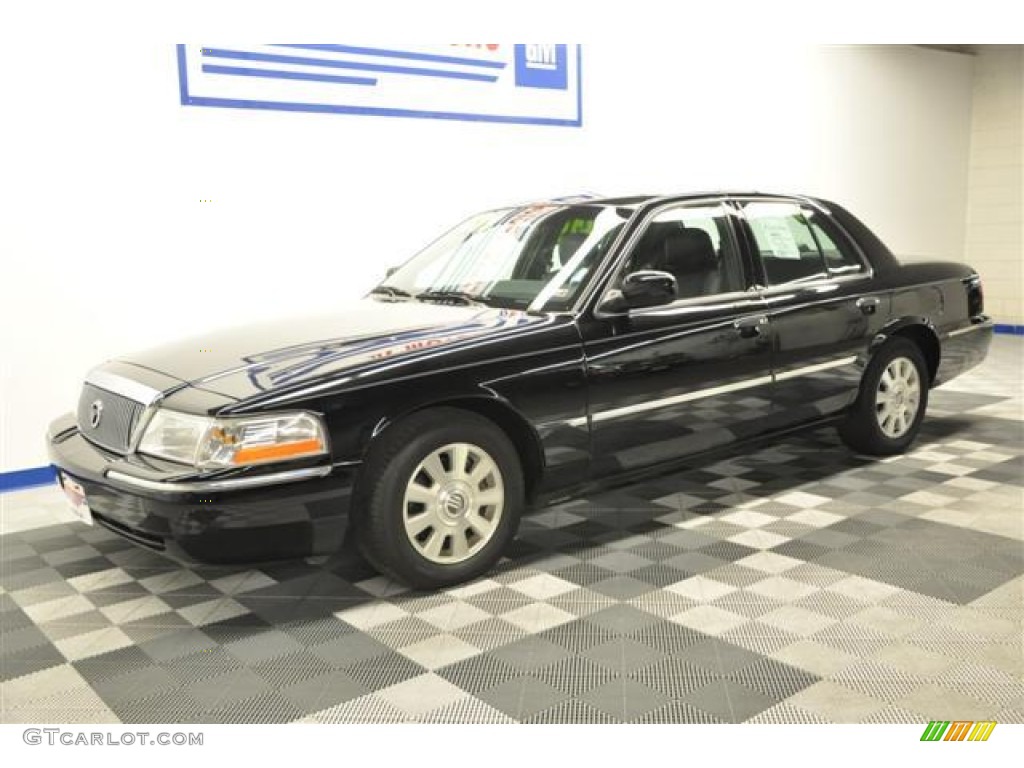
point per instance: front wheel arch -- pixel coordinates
(516, 428)
(379, 513)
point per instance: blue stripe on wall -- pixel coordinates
(215, 69)
(275, 58)
(1014, 330)
(393, 54)
(26, 478)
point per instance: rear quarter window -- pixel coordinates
(796, 245)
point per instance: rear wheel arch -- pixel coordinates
(891, 401)
(921, 332)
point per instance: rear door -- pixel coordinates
(816, 286)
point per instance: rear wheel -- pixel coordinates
(892, 401)
(443, 495)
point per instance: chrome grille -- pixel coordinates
(120, 415)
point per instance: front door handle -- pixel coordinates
(750, 327)
(868, 304)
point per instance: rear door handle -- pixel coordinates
(868, 304)
(749, 327)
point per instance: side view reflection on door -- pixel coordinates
(813, 280)
(685, 376)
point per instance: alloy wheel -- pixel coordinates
(898, 397)
(453, 503)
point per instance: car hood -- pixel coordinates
(366, 334)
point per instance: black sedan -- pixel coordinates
(528, 353)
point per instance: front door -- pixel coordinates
(670, 381)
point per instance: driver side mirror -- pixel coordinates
(644, 288)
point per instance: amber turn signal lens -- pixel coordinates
(279, 451)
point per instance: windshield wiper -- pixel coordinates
(387, 290)
(445, 295)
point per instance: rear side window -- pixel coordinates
(838, 260)
(794, 246)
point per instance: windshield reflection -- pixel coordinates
(534, 257)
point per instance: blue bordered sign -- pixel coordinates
(525, 83)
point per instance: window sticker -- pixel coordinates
(775, 236)
(522, 220)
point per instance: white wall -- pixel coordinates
(106, 247)
(995, 197)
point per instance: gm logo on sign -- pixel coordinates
(540, 65)
(524, 83)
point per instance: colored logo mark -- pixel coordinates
(958, 730)
(542, 65)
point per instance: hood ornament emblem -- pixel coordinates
(95, 413)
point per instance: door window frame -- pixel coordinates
(830, 226)
(619, 262)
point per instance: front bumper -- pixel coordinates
(231, 517)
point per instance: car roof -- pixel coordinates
(635, 200)
(877, 252)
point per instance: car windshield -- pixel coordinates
(534, 257)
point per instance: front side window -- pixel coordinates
(538, 256)
(794, 245)
(694, 244)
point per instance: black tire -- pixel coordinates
(862, 430)
(389, 470)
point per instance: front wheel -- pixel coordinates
(892, 401)
(444, 492)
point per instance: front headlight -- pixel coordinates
(211, 443)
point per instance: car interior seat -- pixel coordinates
(689, 255)
(568, 244)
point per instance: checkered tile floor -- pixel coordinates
(795, 583)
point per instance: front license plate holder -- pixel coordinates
(75, 495)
